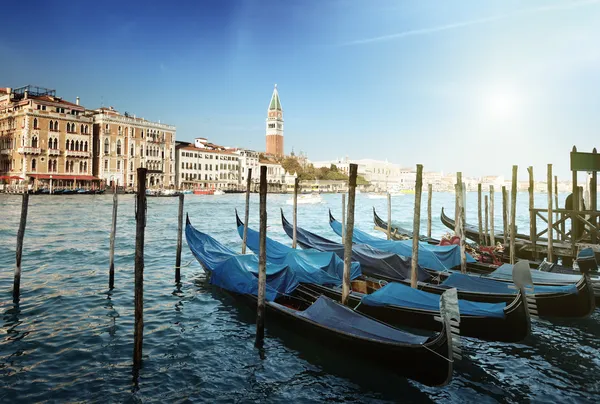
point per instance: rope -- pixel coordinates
(440, 355)
(184, 265)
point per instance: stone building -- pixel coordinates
(44, 139)
(123, 143)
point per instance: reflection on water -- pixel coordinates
(71, 339)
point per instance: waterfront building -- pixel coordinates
(123, 143)
(44, 139)
(275, 126)
(275, 172)
(204, 165)
(248, 159)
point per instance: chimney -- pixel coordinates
(9, 90)
(77, 101)
(25, 94)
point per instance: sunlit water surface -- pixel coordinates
(70, 339)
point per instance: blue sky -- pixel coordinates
(472, 86)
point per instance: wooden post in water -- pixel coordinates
(343, 217)
(19, 254)
(575, 209)
(461, 226)
(513, 215)
(349, 233)
(457, 197)
(479, 215)
(179, 239)
(247, 213)
(429, 194)
(594, 201)
(486, 234)
(532, 216)
(550, 230)
(140, 225)
(389, 228)
(505, 214)
(417, 226)
(296, 182)
(113, 231)
(262, 261)
(492, 229)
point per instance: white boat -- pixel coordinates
(306, 199)
(219, 192)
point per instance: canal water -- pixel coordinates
(71, 339)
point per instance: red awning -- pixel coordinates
(64, 177)
(10, 177)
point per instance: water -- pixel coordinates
(70, 339)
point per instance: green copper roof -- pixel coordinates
(275, 103)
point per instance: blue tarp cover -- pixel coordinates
(479, 284)
(397, 294)
(310, 266)
(373, 262)
(505, 272)
(439, 258)
(331, 314)
(237, 273)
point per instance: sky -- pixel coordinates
(471, 86)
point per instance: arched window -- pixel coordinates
(34, 142)
(118, 147)
(77, 145)
(132, 151)
(106, 146)
(72, 145)
(142, 133)
(82, 129)
(72, 166)
(56, 126)
(66, 166)
(33, 165)
(51, 125)
(68, 145)
(141, 150)
(85, 146)
(35, 123)
(56, 143)
(86, 129)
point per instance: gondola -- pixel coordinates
(575, 300)
(426, 359)
(399, 304)
(398, 232)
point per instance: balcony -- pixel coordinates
(6, 151)
(74, 153)
(53, 152)
(29, 150)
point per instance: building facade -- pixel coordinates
(123, 143)
(275, 126)
(44, 139)
(204, 165)
(248, 159)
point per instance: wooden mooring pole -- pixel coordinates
(140, 225)
(532, 216)
(505, 214)
(594, 201)
(417, 226)
(429, 194)
(349, 233)
(486, 234)
(262, 261)
(457, 197)
(179, 239)
(19, 254)
(389, 206)
(513, 216)
(296, 186)
(461, 227)
(492, 229)
(247, 213)
(113, 231)
(479, 215)
(550, 229)
(343, 217)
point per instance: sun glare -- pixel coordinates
(501, 103)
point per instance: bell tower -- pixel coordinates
(275, 126)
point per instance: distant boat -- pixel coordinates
(205, 191)
(306, 199)
(218, 192)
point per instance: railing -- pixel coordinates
(53, 152)
(29, 150)
(74, 153)
(586, 223)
